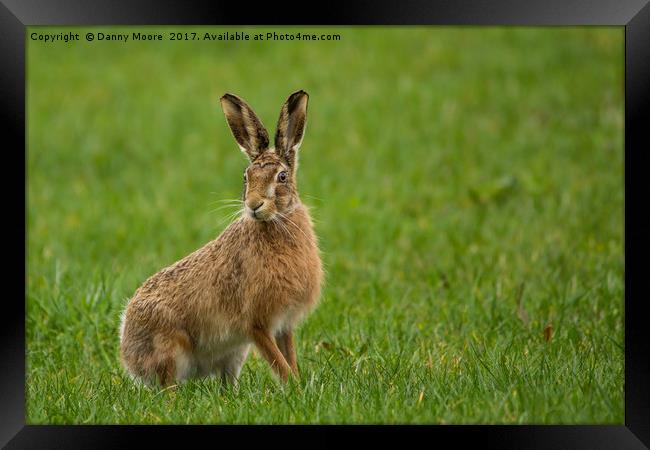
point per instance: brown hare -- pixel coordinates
(251, 285)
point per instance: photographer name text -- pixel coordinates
(52, 38)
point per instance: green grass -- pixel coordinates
(467, 186)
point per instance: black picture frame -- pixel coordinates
(634, 15)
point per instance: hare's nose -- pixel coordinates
(255, 206)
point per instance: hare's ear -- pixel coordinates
(246, 127)
(291, 126)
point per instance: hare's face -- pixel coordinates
(269, 189)
(270, 180)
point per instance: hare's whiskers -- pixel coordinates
(223, 207)
(292, 223)
(227, 202)
(284, 227)
(231, 216)
(312, 197)
(238, 200)
(236, 213)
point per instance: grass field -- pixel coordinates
(467, 187)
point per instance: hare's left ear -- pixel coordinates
(291, 127)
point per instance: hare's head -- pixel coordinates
(270, 179)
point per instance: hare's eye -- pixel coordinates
(282, 177)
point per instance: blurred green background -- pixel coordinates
(467, 189)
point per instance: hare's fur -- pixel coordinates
(251, 285)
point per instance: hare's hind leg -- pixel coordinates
(171, 359)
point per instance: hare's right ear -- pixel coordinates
(246, 127)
